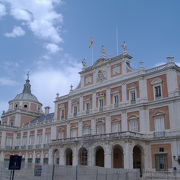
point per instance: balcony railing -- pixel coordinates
(30, 146)
(38, 146)
(159, 134)
(23, 147)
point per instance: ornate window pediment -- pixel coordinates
(156, 81)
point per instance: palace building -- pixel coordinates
(117, 117)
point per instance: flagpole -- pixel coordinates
(92, 51)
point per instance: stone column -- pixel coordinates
(143, 89)
(124, 121)
(69, 109)
(107, 156)
(108, 98)
(75, 156)
(90, 158)
(50, 156)
(62, 157)
(124, 96)
(128, 156)
(34, 157)
(81, 105)
(108, 124)
(68, 130)
(94, 102)
(172, 82)
(93, 126)
(143, 116)
(80, 128)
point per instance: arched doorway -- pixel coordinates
(118, 159)
(83, 157)
(69, 155)
(138, 158)
(99, 156)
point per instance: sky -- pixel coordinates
(50, 38)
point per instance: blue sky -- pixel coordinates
(50, 38)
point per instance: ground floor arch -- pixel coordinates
(83, 157)
(99, 156)
(69, 157)
(138, 158)
(117, 157)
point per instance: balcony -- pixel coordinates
(87, 111)
(30, 146)
(8, 147)
(16, 147)
(133, 101)
(100, 108)
(38, 146)
(46, 146)
(159, 134)
(23, 147)
(116, 105)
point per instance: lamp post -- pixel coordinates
(53, 170)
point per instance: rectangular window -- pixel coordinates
(101, 104)
(39, 139)
(100, 128)
(134, 125)
(87, 108)
(159, 123)
(62, 114)
(161, 162)
(86, 130)
(47, 138)
(61, 134)
(75, 110)
(133, 96)
(115, 127)
(24, 141)
(157, 90)
(116, 100)
(73, 132)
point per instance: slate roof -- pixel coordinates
(42, 118)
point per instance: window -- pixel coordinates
(159, 123)
(75, 110)
(62, 114)
(87, 108)
(73, 132)
(39, 139)
(116, 100)
(18, 139)
(61, 134)
(47, 138)
(133, 96)
(86, 130)
(115, 127)
(11, 123)
(25, 106)
(100, 128)
(24, 140)
(31, 139)
(161, 162)
(133, 125)
(157, 91)
(101, 104)
(9, 141)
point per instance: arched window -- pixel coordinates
(69, 155)
(99, 156)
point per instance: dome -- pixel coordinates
(26, 97)
(26, 94)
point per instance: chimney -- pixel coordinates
(47, 110)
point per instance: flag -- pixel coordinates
(90, 43)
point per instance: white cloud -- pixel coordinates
(16, 32)
(2, 10)
(53, 48)
(3, 106)
(48, 81)
(7, 82)
(39, 16)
